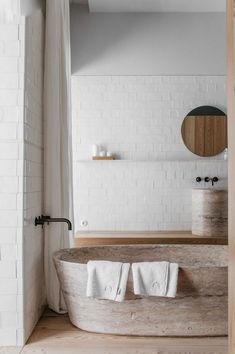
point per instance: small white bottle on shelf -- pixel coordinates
(95, 150)
(102, 153)
(226, 154)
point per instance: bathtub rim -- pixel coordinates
(60, 256)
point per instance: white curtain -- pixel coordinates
(58, 141)
(9, 10)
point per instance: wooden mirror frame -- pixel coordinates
(204, 131)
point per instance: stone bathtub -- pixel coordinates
(199, 309)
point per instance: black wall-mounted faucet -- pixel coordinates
(213, 180)
(41, 220)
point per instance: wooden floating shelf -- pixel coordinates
(102, 158)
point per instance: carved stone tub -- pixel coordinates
(199, 309)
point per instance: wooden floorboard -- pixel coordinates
(56, 323)
(71, 342)
(56, 335)
(10, 350)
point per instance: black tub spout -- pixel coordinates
(41, 220)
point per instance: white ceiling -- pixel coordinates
(154, 5)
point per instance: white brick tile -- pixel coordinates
(8, 131)
(22, 29)
(19, 235)
(19, 271)
(8, 252)
(8, 218)
(7, 270)
(8, 151)
(8, 32)
(19, 286)
(9, 319)
(7, 303)
(8, 97)
(20, 336)
(21, 65)
(12, 49)
(8, 65)
(9, 81)
(7, 235)
(7, 167)
(21, 146)
(2, 48)
(7, 201)
(8, 286)
(10, 114)
(19, 302)
(8, 337)
(8, 184)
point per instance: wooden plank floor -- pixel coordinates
(55, 335)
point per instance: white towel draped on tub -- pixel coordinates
(107, 280)
(155, 278)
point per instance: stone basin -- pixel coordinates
(210, 212)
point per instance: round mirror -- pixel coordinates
(204, 131)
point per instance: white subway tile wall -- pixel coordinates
(20, 177)
(11, 185)
(139, 118)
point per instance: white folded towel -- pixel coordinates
(172, 280)
(107, 280)
(155, 278)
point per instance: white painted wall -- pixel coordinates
(139, 118)
(147, 44)
(21, 248)
(156, 5)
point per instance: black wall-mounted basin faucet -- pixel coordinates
(212, 180)
(41, 220)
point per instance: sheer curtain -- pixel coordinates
(9, 10)
(58, 200)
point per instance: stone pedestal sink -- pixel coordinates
(210, 212)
